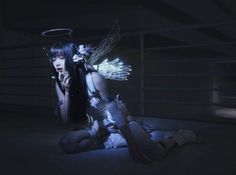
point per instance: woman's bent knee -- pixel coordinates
(66, 145)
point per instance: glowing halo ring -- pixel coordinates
(57, 32)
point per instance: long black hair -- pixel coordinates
(77, 72)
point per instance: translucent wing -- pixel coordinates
(106, 44)
(114, 70)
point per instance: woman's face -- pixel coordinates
(59, 64)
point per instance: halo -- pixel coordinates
(57, 32)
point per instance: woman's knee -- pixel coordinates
(66, 145)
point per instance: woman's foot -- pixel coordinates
(181, 137)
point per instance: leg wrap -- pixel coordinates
(118, 112)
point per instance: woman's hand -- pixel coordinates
(65, 81)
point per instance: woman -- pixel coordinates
(104, 121)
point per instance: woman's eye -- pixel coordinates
(55, 58)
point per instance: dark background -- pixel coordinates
(183, 57)
(182, 54)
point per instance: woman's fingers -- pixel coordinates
(66, 80)
(61, 76)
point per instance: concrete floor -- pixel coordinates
(30, 146)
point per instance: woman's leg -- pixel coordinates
(157, 150)
(70, 141)
(150, 148)
(78, 141)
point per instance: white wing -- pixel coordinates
(114, 70)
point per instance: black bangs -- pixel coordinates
(57, 50)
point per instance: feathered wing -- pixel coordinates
(115, 69)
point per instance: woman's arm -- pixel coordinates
(64, 101)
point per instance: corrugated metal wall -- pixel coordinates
(163, 83)
(25, 78)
